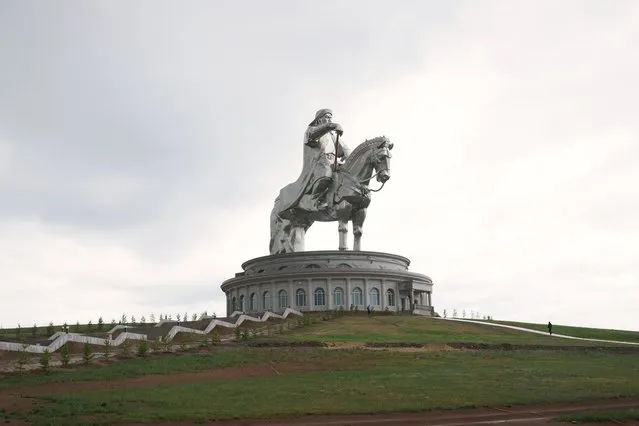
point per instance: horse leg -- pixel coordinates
(358, 223)
(343, 234)
(343, 215)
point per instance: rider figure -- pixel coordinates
(322, 137)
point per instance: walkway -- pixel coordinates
(563, 336)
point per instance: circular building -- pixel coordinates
(327, 280)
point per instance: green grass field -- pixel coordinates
(244, 382)
(354, 381)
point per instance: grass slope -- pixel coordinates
(415, 329)
(365, 382)
(589, 333)
(325, 381)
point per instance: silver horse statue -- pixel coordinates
(348, 198)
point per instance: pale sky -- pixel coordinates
(142, 144)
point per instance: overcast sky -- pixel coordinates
(142, 144)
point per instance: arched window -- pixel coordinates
(374, 297)
(319, 297)
(252, 306)
(390, 295)
(242, 303)
(357, 297)
(233, 304)
(338, 296)
(300, 297)
(283, 299)
(266, 301)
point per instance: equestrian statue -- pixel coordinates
(333, 186)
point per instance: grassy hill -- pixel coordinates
(240, 381)
(416, 329)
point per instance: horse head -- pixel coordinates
(381, 158)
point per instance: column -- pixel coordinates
(366, 296)
(329, 293)
(291, 295)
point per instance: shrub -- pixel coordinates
(65, 357)
(22, 359)
(50, 329)
(215, 338)
(107, 349)
(100, 323)
(143, 348)
(45, 361)
(87, 354)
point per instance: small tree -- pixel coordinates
(34, 331)
(107, 349)
(123, 319)
(194, 317)
(143, 348)
(65, 357)
(87, 354)
(445, 313)
(50, 328)
(22, 359)
(90, 326)
(100, 323)
(464, 313)
(186, 316)
(113, 322)
(454, 313)
(65, 327)
(132, 319)
(77, 327)
(45, 361)
(19, 332)
(142, 320)
(152, 318)
(215, 338)
(178, 317)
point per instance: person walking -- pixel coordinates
(549, 328)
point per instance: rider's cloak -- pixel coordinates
(319, 157)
